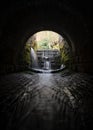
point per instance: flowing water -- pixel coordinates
(34, 59)
(47, 65)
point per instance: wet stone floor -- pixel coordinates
(46, 101)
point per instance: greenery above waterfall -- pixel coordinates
(43, 44)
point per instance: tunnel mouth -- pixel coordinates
(47, 51)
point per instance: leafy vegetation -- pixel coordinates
(43, 44)
(66, 55)
(27, 57)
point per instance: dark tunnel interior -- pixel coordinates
(41, 100)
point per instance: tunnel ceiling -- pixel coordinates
(21, 19)
(20, 10)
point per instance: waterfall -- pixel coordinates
(47, 65)
(34, 59)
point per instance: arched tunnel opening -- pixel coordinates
(47, 50)
(54, 39)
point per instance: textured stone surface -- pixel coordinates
(46, 101)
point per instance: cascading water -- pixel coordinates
(47, 65)
(34, 59)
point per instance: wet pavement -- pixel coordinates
(46, 101)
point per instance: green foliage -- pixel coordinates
(66, 56)
(27, 58)
(43, 44)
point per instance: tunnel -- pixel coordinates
(32, 99)
(22, 23)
